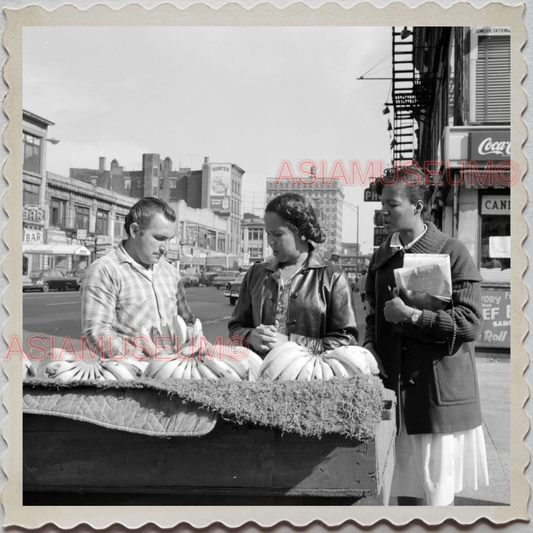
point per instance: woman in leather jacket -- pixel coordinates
(297, 296)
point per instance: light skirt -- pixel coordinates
(437, 466)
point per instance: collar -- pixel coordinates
(125, 257)
(397, 243)
(314, 260)
(430, 242)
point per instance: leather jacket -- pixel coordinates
(320, 304)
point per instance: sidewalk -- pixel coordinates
(494, 375)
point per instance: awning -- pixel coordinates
(55, 249)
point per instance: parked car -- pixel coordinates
(207, 278)
(225, 277)
(31, 284)
(233, 289)
(55, 279)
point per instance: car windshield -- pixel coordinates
(228, 274)
(240, 277)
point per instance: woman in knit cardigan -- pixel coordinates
(426, 355)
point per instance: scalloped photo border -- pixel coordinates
(331, 14)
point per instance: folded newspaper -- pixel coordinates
(425, 281)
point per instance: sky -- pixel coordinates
(254, 96)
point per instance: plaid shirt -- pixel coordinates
(121, 300)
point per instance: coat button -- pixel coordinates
(404, 348)
(293, 321)
(295, 295)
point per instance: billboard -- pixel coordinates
(220, 187)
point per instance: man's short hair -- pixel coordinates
(143, 211)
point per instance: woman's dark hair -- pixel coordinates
(417, 187)
(143, 211)
(299, 213)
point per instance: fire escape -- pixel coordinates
(412, 94)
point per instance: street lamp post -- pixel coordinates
(356, 209)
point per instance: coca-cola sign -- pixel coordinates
(490, 145)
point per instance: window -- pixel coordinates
(127, 183)
(211, 239)
(495, 256)
(32, 153)
(255, 234)
(493, 79)
(30, 194)
(82, 217)
(102, 222)
(139, 183)
(174, 184)
(119, 226)
(58, 212)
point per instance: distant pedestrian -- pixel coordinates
(361, 282)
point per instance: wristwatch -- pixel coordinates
(415, 316)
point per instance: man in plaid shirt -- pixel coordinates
(130, 295)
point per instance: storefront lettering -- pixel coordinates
(497, 205)
(491, 337)
(496, 305)
(488, 146)
(33, 213)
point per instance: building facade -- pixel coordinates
(452, 116)
(34, 209)
(216, 187)
(254, 240)
(326, 196)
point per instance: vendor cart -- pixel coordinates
(119, 445)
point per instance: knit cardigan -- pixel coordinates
(441, 389)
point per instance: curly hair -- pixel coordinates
(417, 186)
(143, 211)
(299, 213)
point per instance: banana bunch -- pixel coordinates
(197, 359)
(69, 369)
(290, 361)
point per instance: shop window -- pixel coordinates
(32, 153)
(495, 254)
(102, 222)
(82, 217)
(30, 194)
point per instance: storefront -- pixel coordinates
(33, 217)
(478, 194)
(64, 257)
